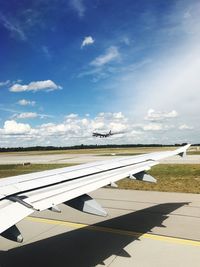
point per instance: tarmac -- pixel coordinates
(142, 229)
(22, 158)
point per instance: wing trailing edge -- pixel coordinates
(22, 195)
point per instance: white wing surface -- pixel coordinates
(22, 195)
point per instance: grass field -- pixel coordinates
(170, 177)
(17, 169)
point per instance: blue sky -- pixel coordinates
(71, 67)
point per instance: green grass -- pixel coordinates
(193, 153)
(17, 169)
(170, 177)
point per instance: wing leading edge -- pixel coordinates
(22, 195)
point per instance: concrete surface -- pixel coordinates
(17, 158)
(142, 229)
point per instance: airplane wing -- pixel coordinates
(23, 194)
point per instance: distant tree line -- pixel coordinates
(48, 148)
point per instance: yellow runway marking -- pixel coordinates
(115, 231)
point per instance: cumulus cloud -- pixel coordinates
(116, 122)
(153, 115)
(88, 40)
(24, 102)
(118, 115)
(76, 130)
(73, 130)
(47, 85)
(11, 127)
(51, 128)
(111, 54)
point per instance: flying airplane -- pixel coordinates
(104, 135)
(23, 194)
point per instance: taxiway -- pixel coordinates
(141, 229)
(20, 158)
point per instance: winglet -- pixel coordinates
(182, 151)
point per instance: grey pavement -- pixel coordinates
(141, 229)
(18, 158)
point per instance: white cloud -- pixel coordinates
(71, 116)
(11, 127)
(26, 115)
(97, 125)
(171, 114)
(153, 127)
(153, 115)
(85, 122)
(118, 115)
(111, 54)
(30, 115)
(24, 102)
(78, 6)
(87, 41)
(185, 127)
(65, 128)
(47, 85)
(76, 130)
(117, 126)
(4, 83)
(73, 130)
(115, 122)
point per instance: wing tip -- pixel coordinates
(182, 151)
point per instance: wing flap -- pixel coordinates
(42, 199)
(11, 213)
(46, 189)
(17, 184)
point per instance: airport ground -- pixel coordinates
(78, 156)
(183, 174)
(143, 228)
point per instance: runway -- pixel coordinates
(20, 158)
(141, 229)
